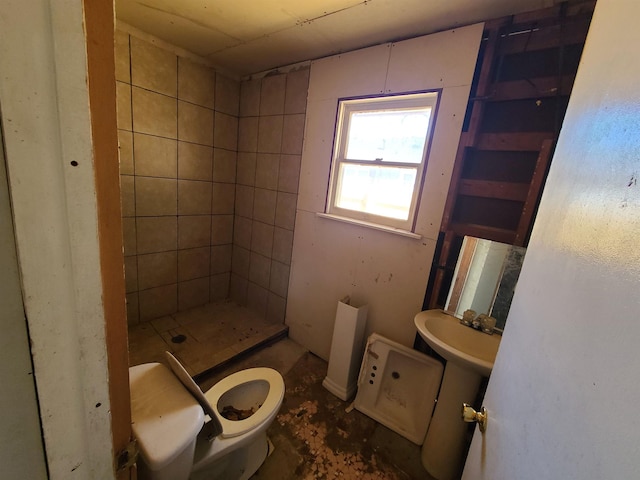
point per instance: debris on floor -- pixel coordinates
(316, 438)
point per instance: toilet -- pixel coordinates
(181, 432)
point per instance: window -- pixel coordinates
(379, 156)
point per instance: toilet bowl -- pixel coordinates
(181, 431)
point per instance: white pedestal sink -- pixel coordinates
(470, 355)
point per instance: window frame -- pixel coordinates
(345, 108)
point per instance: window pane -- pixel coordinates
(375, 189)
(388, 135)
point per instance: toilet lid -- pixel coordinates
(165, 418)
(273, 400)
(213, 426)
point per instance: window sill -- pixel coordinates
(375, 226)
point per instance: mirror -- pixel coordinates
(485, 278)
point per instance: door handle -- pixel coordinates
(469, 415)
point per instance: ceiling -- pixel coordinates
(251, 36)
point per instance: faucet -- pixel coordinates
(482, 322)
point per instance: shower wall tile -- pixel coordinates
(223, 199)
(259, 269)
(154, 113)
(221, 229)
(292, 134)
(133, 312)
(276, 308)
(262, 238)
(241, 260)
(221, 259)
(156, 196)
(193, 263)
(282, 245)
(195, 124)
(238, 289)
(219, 286)
(157, 234)
(226, 131)
(125, 152)
(279, 281)
(178, 196)
(224, 165)
(129, 236)
(194, 231)
(127, 195)
(272, 95)
(123, 66)
(264, 205)
(158, 302)
(297, 88)
(131, 274)
(244, 201)
(153, 68)
(193, 293)
(194, 197)
(196, 83)
(250, 98)
(257, 298)
(267, 179)
(248, 134)
(270, 134)
(157, 269)
(242, 232)
(267, 167)
(194, 161)
(227, 95)
(286, 210)
(155, 156)
(246, 168)
(289, 173)
(123, 106)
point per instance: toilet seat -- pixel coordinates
(233, 428)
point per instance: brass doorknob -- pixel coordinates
(469, 415)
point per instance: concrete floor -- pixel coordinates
(314, 436)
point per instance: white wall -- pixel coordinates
(332, 259)
(563, 396)
(45, 109)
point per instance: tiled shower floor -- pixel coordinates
(202, 338)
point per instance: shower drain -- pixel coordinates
(178, 338)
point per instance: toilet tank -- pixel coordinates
(166, 420)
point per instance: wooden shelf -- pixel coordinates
(489, 189)
(517, 142)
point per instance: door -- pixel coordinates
(563, 395)
(21, 448)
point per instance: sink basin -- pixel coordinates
(457, 343)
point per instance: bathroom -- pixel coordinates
(259, 141)
(302, 327)
(216, 173)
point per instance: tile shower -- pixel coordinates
(209, 178)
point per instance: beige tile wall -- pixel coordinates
(270, 138)
(178, 131)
